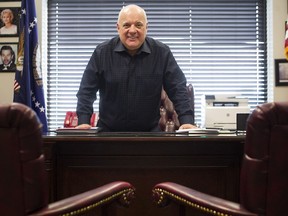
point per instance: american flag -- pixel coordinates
(28, 85)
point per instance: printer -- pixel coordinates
(220, 111)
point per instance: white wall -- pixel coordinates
(277, 19)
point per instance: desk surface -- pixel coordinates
(52, 136)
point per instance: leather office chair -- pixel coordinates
(264, 172)
(23, 186)
(168, 117)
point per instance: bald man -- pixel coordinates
(129, 71)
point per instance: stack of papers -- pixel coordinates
(204, 131)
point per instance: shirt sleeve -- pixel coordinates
(87, 91)
(175, 85)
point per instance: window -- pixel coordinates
(219, 44)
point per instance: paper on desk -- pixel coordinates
(199, 131)
(205, 131)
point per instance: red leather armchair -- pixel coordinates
(264, 172)
(168, 117)
(23, 186)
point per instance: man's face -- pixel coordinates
(132, 29)
(6, 57)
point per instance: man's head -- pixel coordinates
(132, 27)
(7, 55)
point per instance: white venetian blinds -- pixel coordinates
(219, 44)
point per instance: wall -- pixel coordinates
(7, 79)
(278, 14)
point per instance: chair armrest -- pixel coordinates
(84, 202)
(165, 192)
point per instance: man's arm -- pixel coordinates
(87, 91)
(176, 87)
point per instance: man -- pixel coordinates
(129, 71)
(8, 59)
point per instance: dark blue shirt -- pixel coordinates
(130, 86)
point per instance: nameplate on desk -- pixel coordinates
(76, 131)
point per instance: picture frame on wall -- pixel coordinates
(281, 72)
(9, 21)
(8, 56)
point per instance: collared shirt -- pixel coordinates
(10, 67)
(130, 86)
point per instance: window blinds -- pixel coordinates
(219, 44)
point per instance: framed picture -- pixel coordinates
(9, 21)
(281, 72)
(8, 55)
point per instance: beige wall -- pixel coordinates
(7, 79)
(277, 17)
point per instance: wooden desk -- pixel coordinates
(208, 163)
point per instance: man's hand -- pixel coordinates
(83, 126)
(187, 126)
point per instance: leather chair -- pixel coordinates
(264, 171)
(23, 182)
(168, 117)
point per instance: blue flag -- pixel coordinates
(28, 84)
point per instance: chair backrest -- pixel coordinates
(264, 175)
(168, 117)
(23, 186)
(71, 119)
